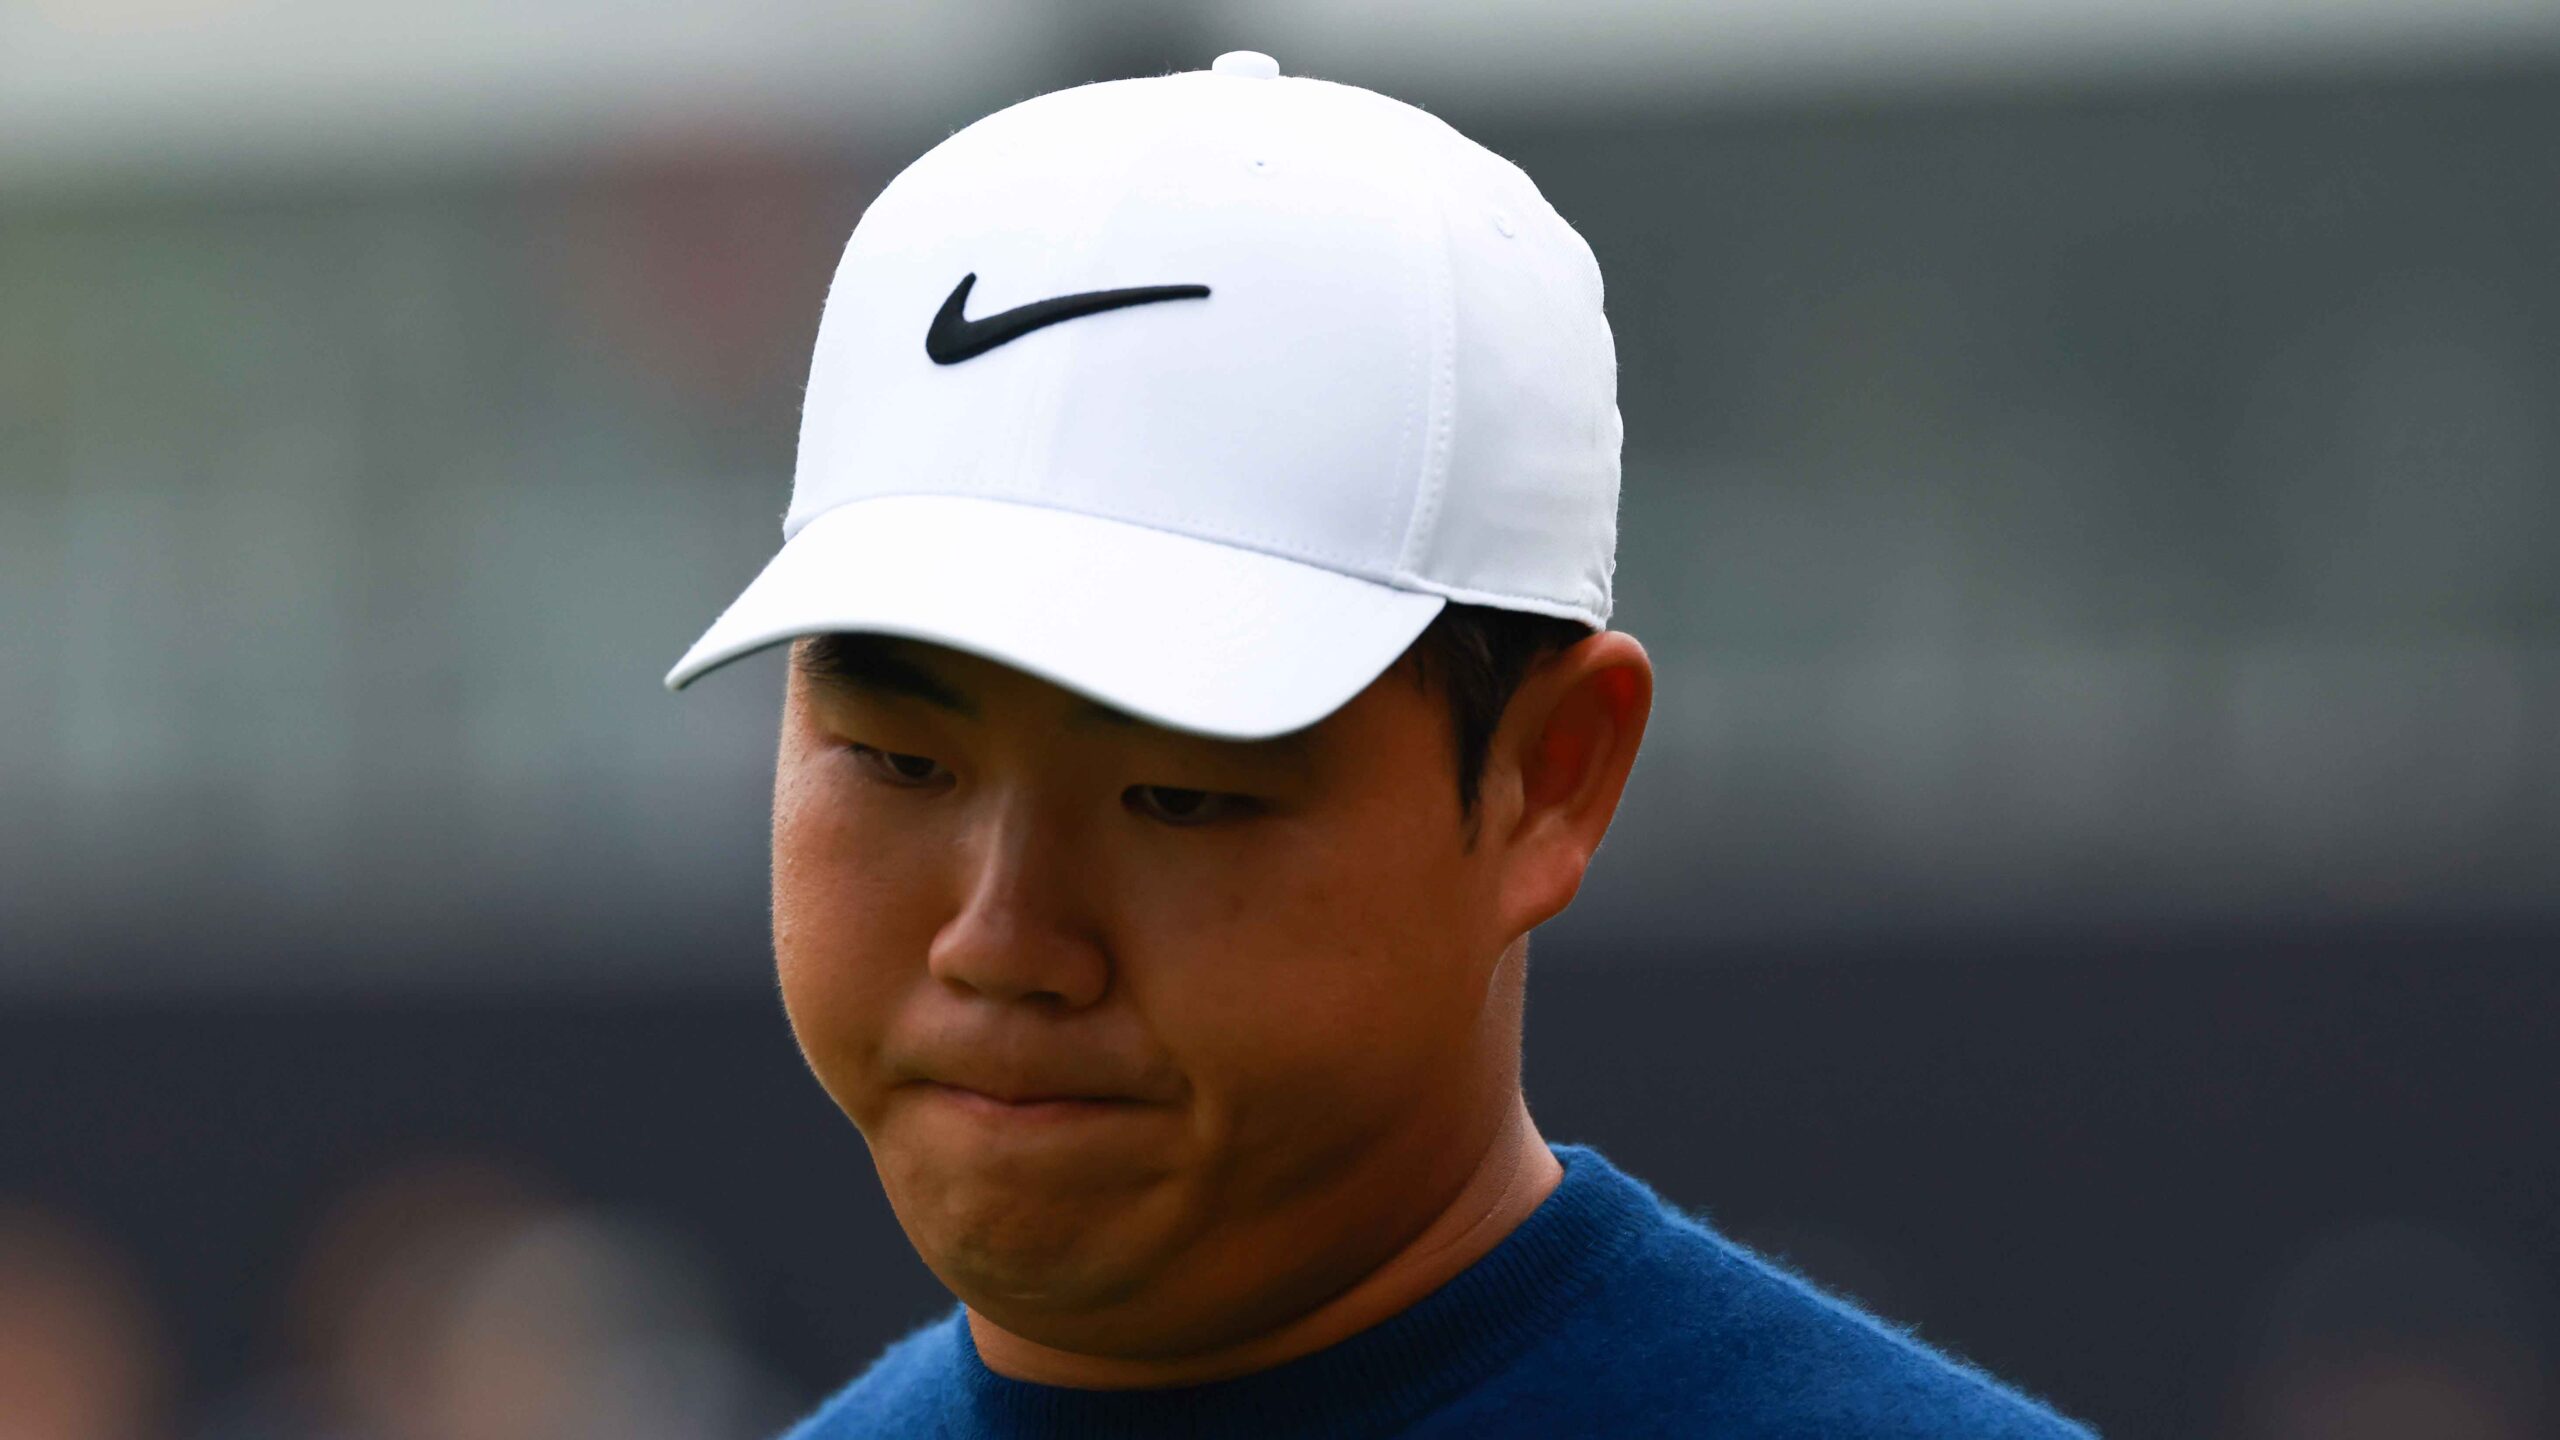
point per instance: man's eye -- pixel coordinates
(912, 771)
(1176, 805)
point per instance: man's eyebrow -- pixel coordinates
(866, 662)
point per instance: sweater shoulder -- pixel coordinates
(904, 1391)
(1805, 1361)
(1691, 1333)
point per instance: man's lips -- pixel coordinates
(1030, 1106)
(1048, 1113)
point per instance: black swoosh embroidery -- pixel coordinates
(953, 337)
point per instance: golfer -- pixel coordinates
(1198, 582)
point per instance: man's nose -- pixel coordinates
(1024, 929)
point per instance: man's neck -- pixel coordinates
(1515, 1175)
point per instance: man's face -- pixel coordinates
(1275, 958)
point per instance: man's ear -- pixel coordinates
(1562, 752)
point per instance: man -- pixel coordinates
(1198, 577)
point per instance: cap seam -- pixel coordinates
(1439, 387)
(1395, 543)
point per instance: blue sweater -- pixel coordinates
(1606, 1313)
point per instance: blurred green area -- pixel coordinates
(2111, 504)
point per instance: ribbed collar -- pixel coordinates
(1386, 1377)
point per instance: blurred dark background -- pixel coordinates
(2091, 892)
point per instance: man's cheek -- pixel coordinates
(841, 998)
(1287, 1047)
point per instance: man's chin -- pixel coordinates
(1016, 1242)
(1017, 1278)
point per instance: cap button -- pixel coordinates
(1246, 64)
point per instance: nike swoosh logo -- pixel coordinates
(954, 337)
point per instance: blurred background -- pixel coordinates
(2091, 891)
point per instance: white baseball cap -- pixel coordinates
(1199, 395)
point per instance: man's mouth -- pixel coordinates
(1028, 1106)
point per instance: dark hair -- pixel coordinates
(1477, 656)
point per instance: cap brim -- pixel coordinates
(1186, 633)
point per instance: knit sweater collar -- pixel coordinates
(1384, 1378)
